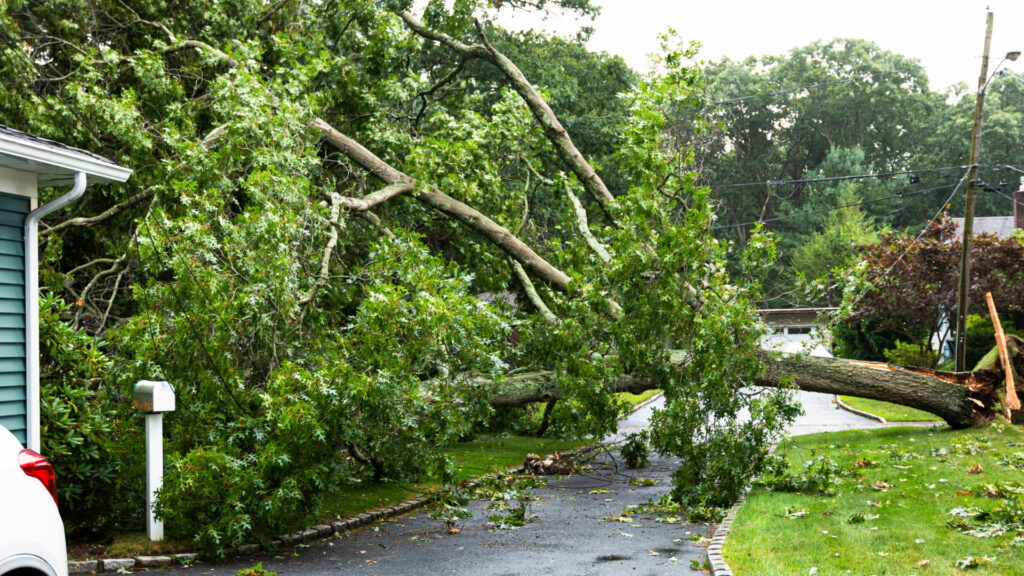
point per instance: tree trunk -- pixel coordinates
(961, 399)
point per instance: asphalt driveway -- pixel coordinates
(574, 534)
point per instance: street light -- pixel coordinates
(967, 237)
(1011, 56)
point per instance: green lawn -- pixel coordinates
(889, 514)
(891, 412)
(635, 399)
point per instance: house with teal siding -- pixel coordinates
(28, 164)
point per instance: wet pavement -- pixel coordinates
(822, 414)
(576, 532)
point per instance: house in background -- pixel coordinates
(28, 163)
(1001, 226)
(794, 329)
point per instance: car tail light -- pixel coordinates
(37, 467)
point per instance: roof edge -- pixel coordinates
(97, 170)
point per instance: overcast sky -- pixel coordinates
(947, 36)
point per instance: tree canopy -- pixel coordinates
(351, 227)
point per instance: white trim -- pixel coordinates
(70, 160)
(32, 305)
(18, 182)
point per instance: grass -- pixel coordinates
(911, 478)
(130, 544)
(891, 412)
(640, 398)
(477, 458)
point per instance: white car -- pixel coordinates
(31, 531)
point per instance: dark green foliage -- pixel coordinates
(635, 449)
(862, 339)
(981, 336)
(221, 496)
(88, 433)
(917, 355)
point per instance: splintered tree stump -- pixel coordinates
(552, 464)
(1010, 400)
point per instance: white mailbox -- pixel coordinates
(154, 397)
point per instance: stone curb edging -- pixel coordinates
(646, 402)
(116, 564)
(309, 535)
(715, 558)
(844, 406)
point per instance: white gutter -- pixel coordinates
(32, 303)
(40, 156)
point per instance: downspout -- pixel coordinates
(32, 303)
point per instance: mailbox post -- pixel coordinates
(154, 398)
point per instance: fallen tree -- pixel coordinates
(325, 192)
(962, 399)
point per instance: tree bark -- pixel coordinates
(961, 399)
(441, 202)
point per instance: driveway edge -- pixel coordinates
(844, 406)
(715, 558)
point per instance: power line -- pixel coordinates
(1010, 198)
(923, 230)
(841, 178)
(833, 209)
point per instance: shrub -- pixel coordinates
(906, 354)
(80, 421)
(862, 339)
(264, 477)
(208, 495)
(981, 337)
(635, 450)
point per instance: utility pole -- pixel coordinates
(967, 238)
